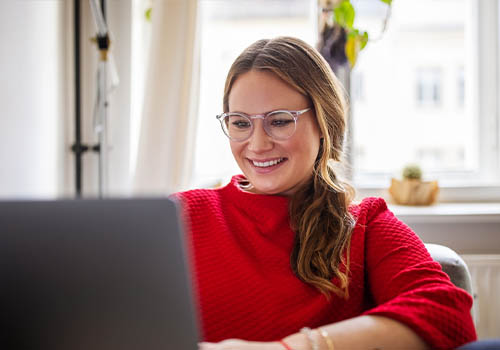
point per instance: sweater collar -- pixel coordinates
(268, 211)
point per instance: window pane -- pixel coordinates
(410, 104)
(228, 27)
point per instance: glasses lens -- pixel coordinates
(280, 125)
(237, 127)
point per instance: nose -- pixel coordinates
(260, 141)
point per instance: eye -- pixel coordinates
(239, 122)
(280, 120)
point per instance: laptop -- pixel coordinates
(94, 274)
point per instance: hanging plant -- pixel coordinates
(341, 40)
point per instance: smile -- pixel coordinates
(267, 163)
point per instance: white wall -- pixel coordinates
(32, 98)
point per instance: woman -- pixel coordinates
(282, 258)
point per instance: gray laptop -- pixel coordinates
(94, 274)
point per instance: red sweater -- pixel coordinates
(241, 245)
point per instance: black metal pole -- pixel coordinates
(77, 147)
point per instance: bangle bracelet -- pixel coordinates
(282, 342)
(312, 341)
(328, 340)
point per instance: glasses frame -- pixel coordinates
(294, 114)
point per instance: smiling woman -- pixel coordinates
(283, 247)
(286, 72)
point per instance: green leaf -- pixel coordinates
(147, 14)
(364, 40)
(360, 37)
(388, 2)
(344, 14)
(355, 42)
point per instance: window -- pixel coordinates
(425, 92)
(429, 86)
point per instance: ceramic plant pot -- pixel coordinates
(414, 192)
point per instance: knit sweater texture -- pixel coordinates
(240, 245)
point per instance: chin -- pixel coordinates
(264, 189)
(270, 189)
(271, 192)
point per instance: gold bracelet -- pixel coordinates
(328, 340)
(312, 341)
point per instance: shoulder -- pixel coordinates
(375, 219)
(383, 232)
(207, 199)
(369, 209)
(197, 199)
(196, 195)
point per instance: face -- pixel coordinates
(271, 166)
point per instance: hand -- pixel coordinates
(237, 344)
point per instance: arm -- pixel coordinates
(408, 286)
(362, 332)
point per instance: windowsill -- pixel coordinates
(467, 228)
(445, 212)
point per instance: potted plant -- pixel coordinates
(411, 190)
(340, 40)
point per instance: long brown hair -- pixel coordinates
(319, 210)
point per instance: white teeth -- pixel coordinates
(267, 164)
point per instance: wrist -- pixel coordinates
(297, 341)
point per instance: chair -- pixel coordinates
(453, 265)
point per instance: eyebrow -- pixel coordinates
(273, 110)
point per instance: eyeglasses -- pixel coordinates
(279, 124)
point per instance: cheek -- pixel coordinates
(310, 148)
(304, 153)
(235, 149)
(313, 151)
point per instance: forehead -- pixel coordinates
(258, 92)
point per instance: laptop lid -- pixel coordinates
(94, 274)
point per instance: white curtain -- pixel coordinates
(166, 141)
